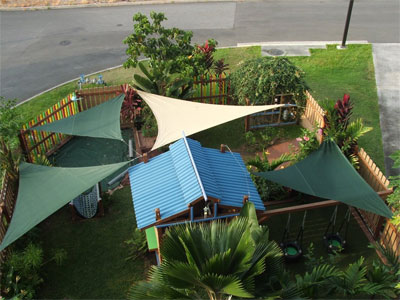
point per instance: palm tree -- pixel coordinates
(217, 260)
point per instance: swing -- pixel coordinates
(292, 249)
(335, 241)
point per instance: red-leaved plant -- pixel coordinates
(132, 103)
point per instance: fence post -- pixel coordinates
(247, 118)
(377, 232)
(24, 146)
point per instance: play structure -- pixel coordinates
(335, 239)
(188, 183)
(293, 248)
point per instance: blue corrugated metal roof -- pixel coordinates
(169, 182)
(232, 178)
(205, 170)
(185, 172)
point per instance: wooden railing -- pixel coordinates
(94, 96)
(8, 197)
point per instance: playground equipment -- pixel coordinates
(336, 241)
(292, 249)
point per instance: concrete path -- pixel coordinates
(387, 73)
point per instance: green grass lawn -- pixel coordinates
(95, 267)
(331, 73)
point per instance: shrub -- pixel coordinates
(137, 245)
(261, 79)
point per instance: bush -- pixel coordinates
(261, 79)
(137, 245)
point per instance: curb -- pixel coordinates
(61, 84)
(115, 4)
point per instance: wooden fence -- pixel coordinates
(212, 89)
(380, 228)
(35, 143)
(94, 96)
(8, 197)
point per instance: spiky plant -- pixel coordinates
(220, 67)
(216, 261)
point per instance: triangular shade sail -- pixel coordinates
(43, 190)
(102, 121)
(326, 173)
(176, 116)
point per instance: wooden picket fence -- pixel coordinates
(8, 197)
(212, 89)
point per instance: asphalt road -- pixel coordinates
(40, 49)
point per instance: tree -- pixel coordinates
(172, 61)
(165, 48)
(216, 260)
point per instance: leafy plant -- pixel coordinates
(150, 127)
(308, 143)
(259, 140)
(22, 270)
(394, 198)
(137, 245)
(166, 48)
(261, 79)
(9, 126)
(163, 82)
(345, 133)
(268, 190)
(220, 67)
(212, 261)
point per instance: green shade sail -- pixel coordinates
(326, 173)
(43, 190)
(102, 121)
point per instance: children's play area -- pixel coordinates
(95, 150)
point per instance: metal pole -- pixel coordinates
(346, 26)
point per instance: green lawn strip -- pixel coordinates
(236, 56)
(331, 73)
(96, 267)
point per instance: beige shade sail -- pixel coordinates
(176, 116)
